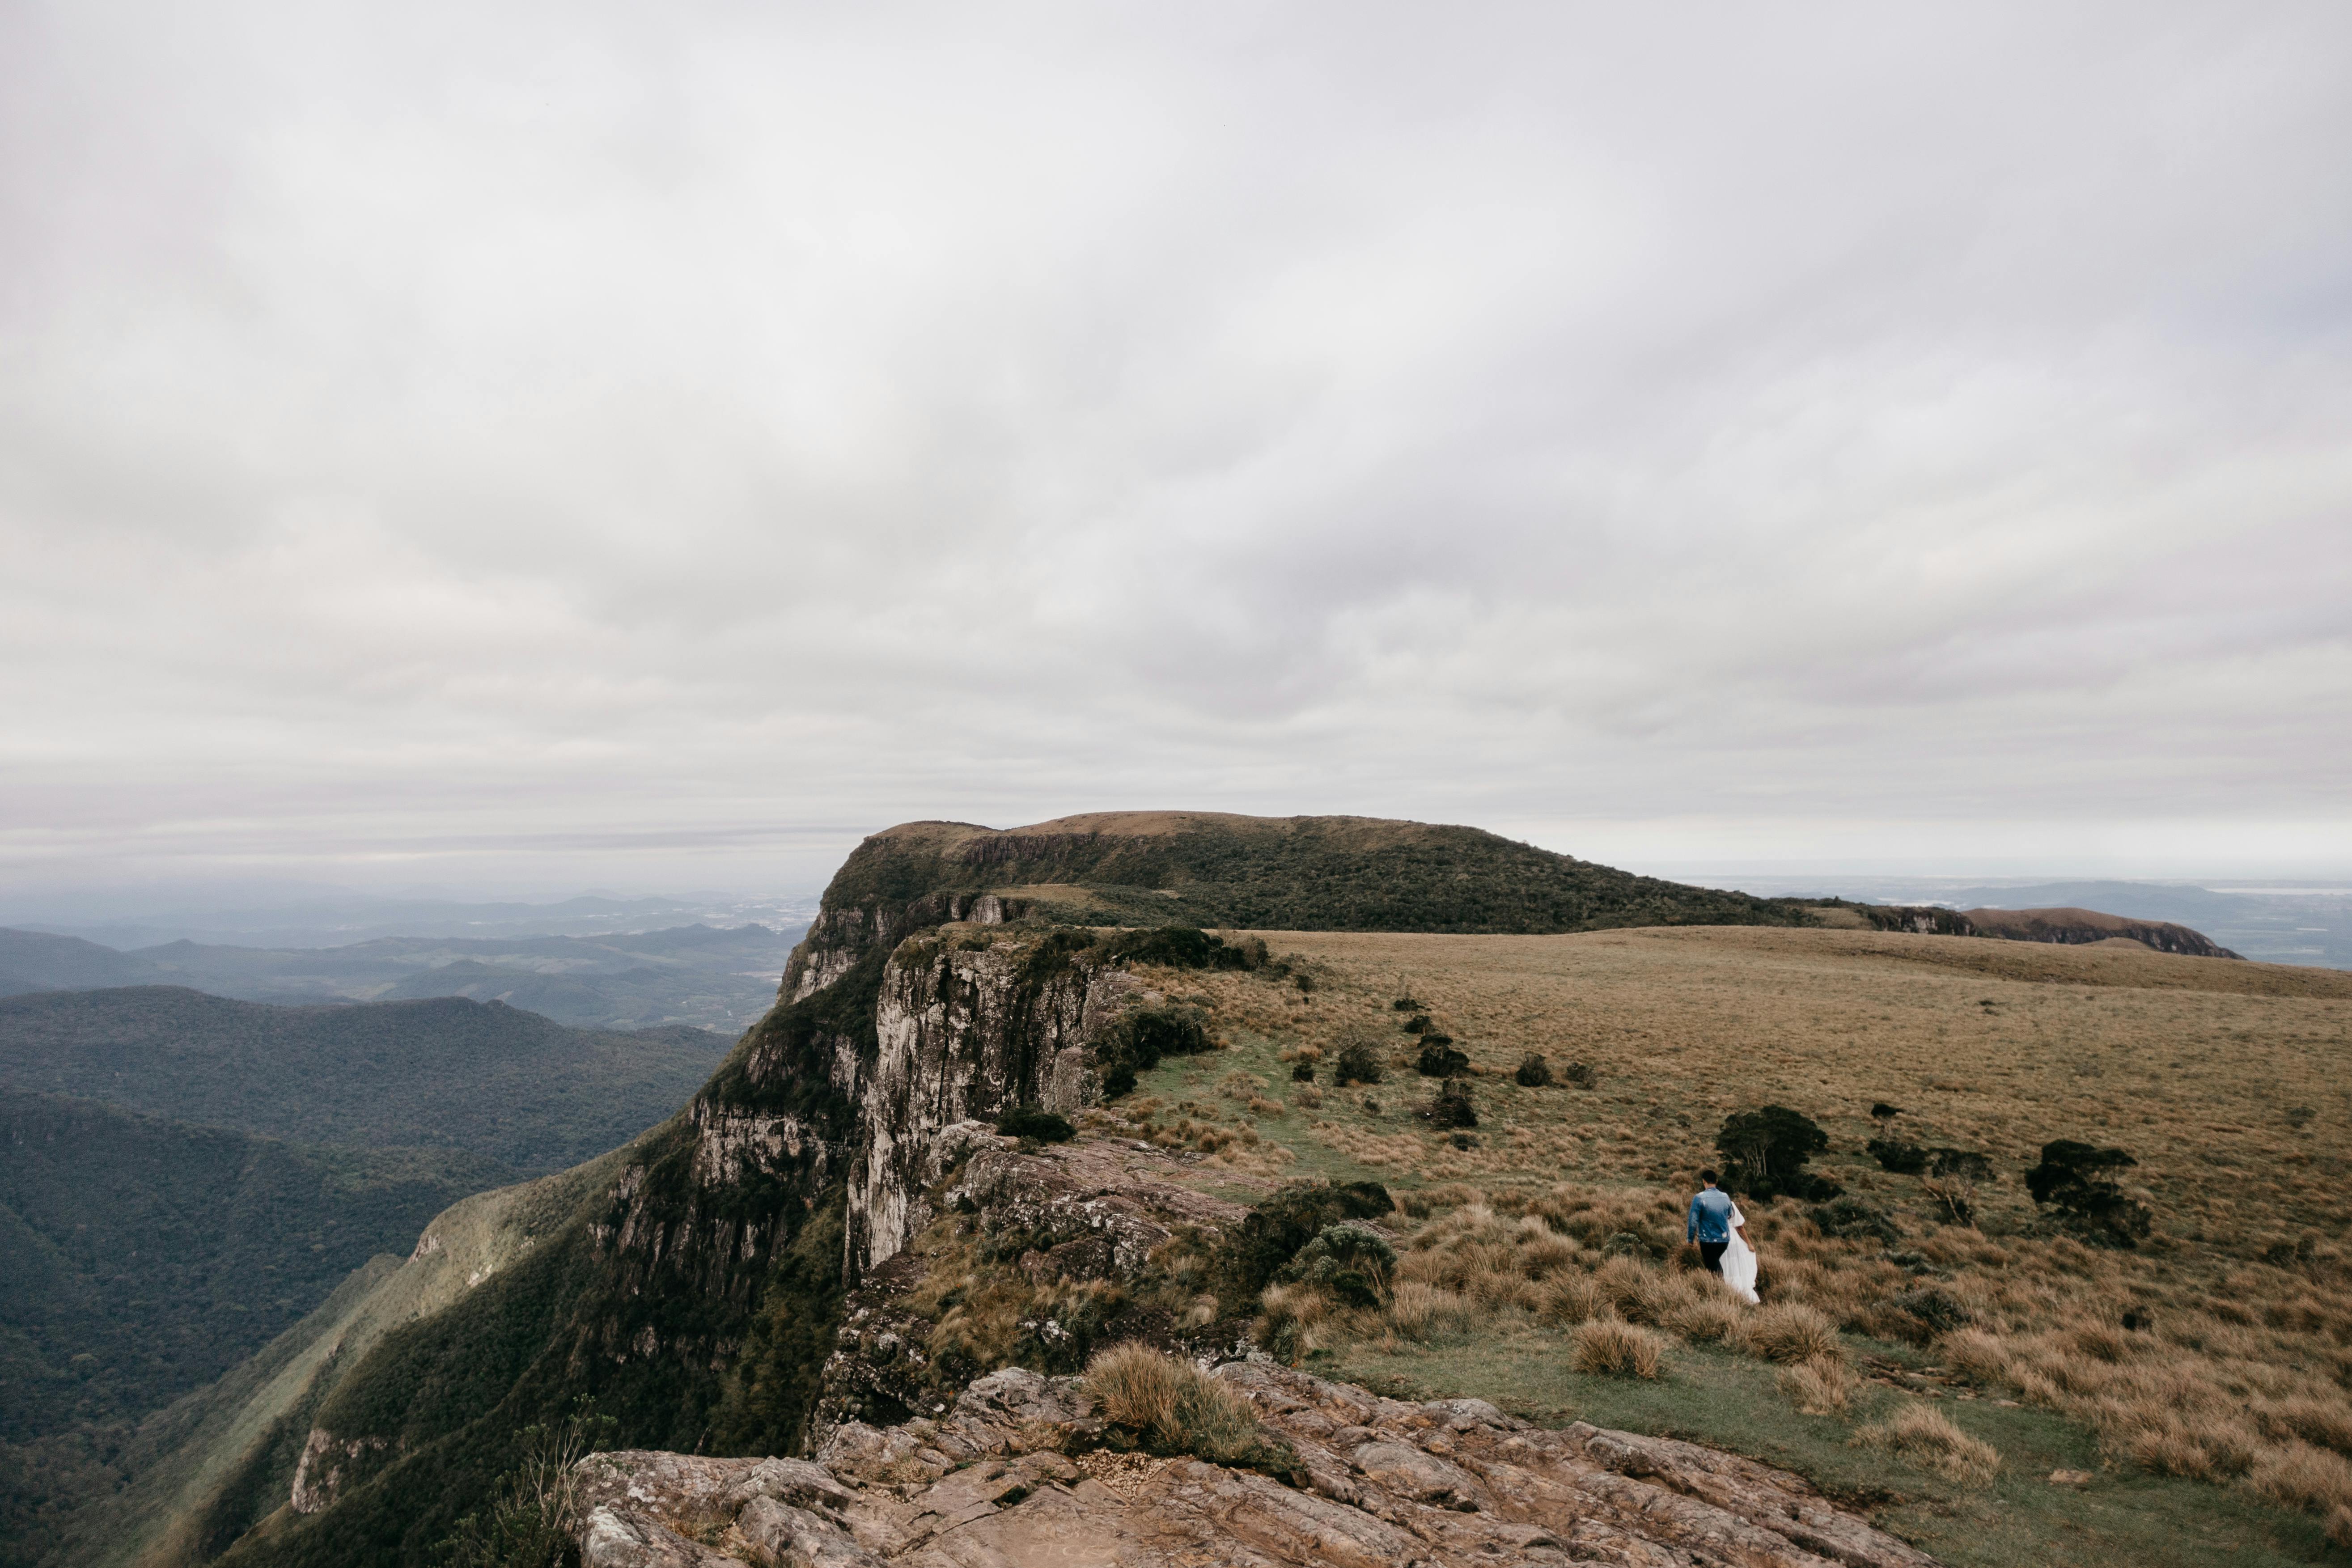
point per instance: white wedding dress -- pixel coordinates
(1740, 1260)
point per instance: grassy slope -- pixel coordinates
(502, 1083)
(2189, 1062)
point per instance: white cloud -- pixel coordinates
(472, 440)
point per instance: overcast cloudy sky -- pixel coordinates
(537, 446)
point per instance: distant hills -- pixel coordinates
(486, 1079)
(716, 978)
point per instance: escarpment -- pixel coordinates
(954, 973)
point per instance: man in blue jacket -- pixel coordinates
(1710, 1221)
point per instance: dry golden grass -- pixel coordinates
(2222, 1349)
(1925, 1436)
(1607, 1348)
(1178, 1407)
(1821, 1386)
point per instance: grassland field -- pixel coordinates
(2194, 1391)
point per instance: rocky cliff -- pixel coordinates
(696, 1293)
(2083, 927)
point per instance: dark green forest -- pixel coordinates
(480, 1078)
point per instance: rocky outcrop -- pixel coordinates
(1091, 1211)
(2081, 928)
(962, 1031)
(1024, 1470)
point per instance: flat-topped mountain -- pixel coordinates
(1260, 873)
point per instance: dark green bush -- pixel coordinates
(1275, 1231)
(1534, 1072)
(1302, 1072)
(1853, 1220)
(1438, 1060)
(1184, 947)
(1351, 1262)
(1892, 1155)
(1584, 1075)
(1033, 1122)
(1764, 1152)
(1450, 1107)
(1118, 1081)
(1419, 1023)
(1359, 1062)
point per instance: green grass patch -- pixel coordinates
(2122, 1520)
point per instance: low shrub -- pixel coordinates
(1439, 1060)
(1359, 1061)
(1534, 1072)
(1353, 1263)
(1851, 1219)
(1277, 1229)
(1184, 947)
(1302, 1072)
(1419, 1023)
(1450, 1107)
(1893, 1155)
(1583, 1075)
(1034, 1121)
(1604, 1347)
(1926, 1438)
(1791, 1332)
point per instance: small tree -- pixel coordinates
(1534, 1072)
(1764, 1151)
(2073, 1180)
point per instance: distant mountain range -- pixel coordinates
(332, 919)
(711, 978)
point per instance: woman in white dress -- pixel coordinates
(1739, 1258)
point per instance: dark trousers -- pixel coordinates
(1710, 1253)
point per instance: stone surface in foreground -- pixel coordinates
(1008, 1476)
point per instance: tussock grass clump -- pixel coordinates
(1925, 1436)
(1790, 1332)
(1425, 1312)
(1821, 1386)
(1174, 1407)
(1604, 1347)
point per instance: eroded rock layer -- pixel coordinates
(1017, 1472)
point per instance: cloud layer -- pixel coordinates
(581, 438)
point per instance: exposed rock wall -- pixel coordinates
(963, 1032)
(1020, 1472)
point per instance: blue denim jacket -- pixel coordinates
(1710, 1215)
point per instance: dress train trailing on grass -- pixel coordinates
(1740, 1260)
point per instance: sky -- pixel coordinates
(525, 447)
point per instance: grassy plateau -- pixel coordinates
(1997, 1391)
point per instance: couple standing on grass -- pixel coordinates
(1721, 1232)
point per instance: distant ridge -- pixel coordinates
(2078, 927)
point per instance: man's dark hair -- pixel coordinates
(1706, 1178)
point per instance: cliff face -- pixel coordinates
(2083, 927)
(962, 1031)
(696, 1292)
